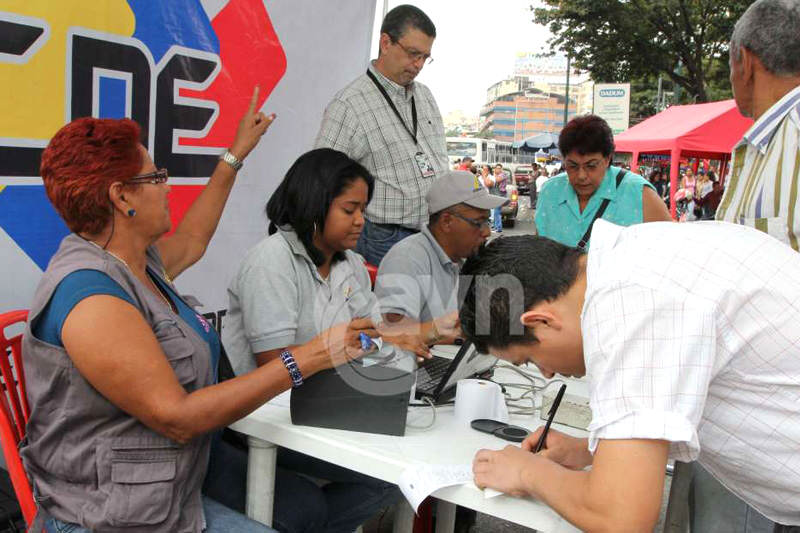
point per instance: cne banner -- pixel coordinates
(185, 71)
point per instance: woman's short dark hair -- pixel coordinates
(303, 198)
(505, 279)
(587, 134)
(399, 19)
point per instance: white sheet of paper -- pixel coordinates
(420, 481)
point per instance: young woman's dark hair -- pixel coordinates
(588, 134)
(505, 279)
(303, 198)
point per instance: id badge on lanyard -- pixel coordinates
(424, 164)
(423, 161)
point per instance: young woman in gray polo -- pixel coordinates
(300, 280)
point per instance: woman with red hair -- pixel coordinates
(121, 371)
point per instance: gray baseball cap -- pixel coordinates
(457, 187)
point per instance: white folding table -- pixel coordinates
(385, 457)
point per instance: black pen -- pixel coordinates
(550, 416)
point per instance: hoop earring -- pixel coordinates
(315, 228)
(131, 212)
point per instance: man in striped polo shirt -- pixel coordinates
(762, 190)
(765, 74)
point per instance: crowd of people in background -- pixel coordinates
(696, 197)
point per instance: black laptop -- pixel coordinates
(437, 377)
(354, 397)
(374, 398)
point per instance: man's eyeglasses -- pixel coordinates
(415, 55)
(478, 223)
(590, 166)
(159, 176)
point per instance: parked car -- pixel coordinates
(523, 177)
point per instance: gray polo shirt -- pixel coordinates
(278, 298)
(417, 279)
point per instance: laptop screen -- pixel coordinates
(467, 363)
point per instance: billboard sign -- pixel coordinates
(612, 102)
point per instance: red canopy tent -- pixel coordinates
(706, 131)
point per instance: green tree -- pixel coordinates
(685, 41)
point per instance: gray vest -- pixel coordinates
(90, 462)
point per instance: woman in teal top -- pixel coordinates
(569, 202)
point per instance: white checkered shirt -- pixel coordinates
(359, 122)
(691, 334)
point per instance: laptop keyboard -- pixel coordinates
(430, 373)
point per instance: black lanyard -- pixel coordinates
(396, 112)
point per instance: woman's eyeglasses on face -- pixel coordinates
(590, 166)
(159, 176)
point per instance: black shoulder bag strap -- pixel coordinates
(602, 209)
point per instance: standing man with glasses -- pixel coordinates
(391, 125)
(417, 281)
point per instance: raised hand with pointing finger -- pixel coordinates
(252, 126)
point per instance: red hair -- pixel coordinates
(80, 163)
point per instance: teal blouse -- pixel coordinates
(559, 218)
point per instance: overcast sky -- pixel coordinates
(476, 44)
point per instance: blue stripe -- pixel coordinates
(768, 126)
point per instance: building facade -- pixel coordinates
(516, 116)
(532, 100)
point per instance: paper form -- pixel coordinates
(420, 481)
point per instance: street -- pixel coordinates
(524, 224)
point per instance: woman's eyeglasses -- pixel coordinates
(159, 176)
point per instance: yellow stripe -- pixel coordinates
(730, 188)
(2, 187)
(752, 180)
(778, 176)
(761, 225)
(793, 202)
(747, 182)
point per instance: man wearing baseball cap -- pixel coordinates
(417, 281)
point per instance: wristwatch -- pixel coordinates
(292, 368)
(232, 160)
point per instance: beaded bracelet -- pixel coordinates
(291, 366)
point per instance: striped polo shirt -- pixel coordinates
(765, 171)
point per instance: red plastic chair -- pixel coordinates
(14, 411)
(373, 273)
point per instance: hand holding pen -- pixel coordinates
(570, 452)
(550, 416)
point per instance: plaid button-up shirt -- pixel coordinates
(360, 123)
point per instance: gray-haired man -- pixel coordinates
(762, 189)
